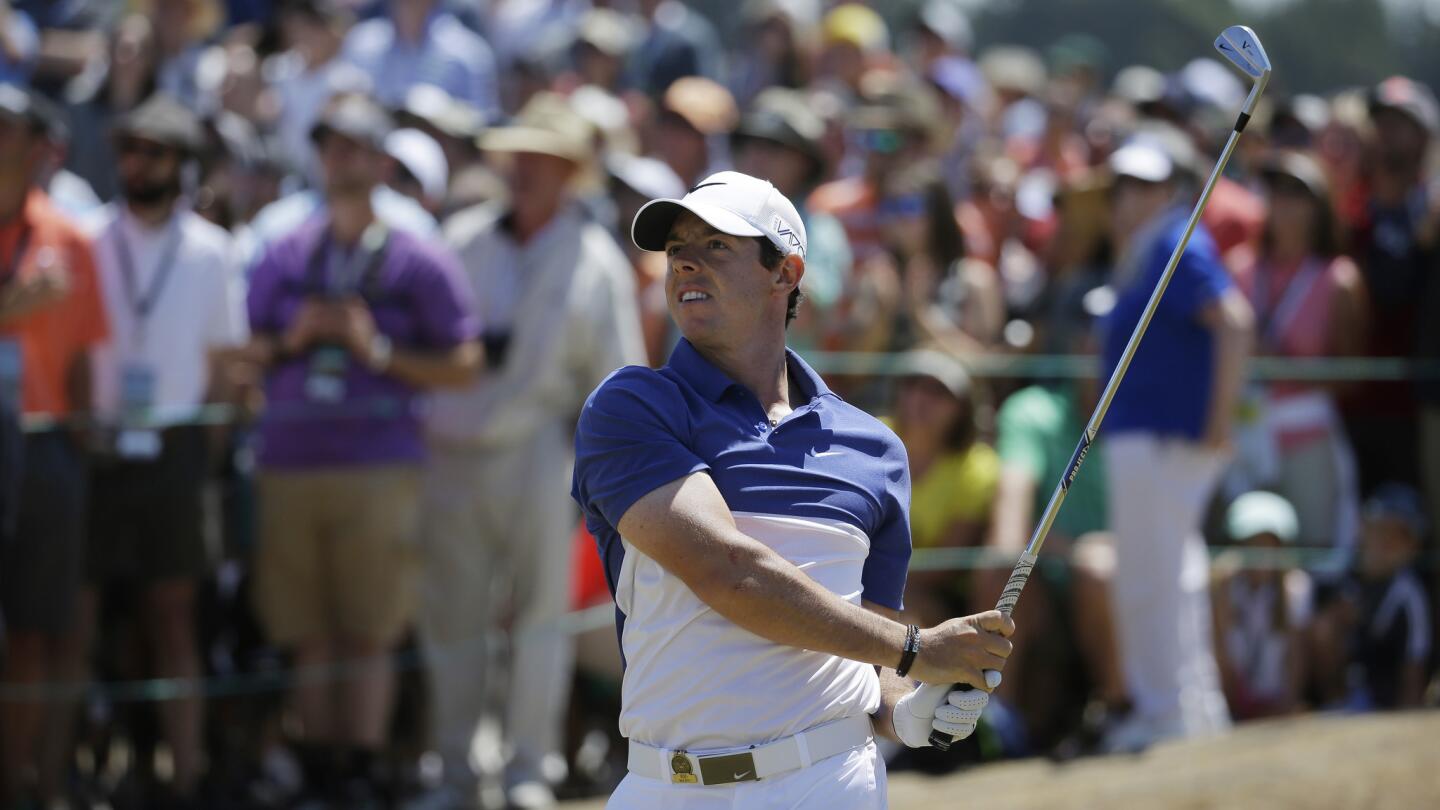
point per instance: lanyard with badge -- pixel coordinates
(12, 361)
(335, 276)
(138, 376)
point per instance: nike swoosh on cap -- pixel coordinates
(705, 185)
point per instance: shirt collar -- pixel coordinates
(712, 383)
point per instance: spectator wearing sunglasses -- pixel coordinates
(175, 302)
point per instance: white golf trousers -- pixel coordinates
(1157, 491)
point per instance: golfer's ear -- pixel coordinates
(791, 270)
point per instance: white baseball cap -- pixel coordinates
(731, 203)
(1262, 513)
(1142, 160)
(422, 157)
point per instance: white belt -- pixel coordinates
(756, 762)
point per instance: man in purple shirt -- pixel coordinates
(352, 320)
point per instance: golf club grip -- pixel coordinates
(1019, 575)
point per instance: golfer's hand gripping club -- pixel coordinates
(1242, 47)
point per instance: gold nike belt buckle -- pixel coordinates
(727, 768)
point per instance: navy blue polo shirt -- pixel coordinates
(828, 489)
(643, 428)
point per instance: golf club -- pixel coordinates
(1242, 47)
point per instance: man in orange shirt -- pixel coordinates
(50, 317)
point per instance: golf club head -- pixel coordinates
(1242, 47)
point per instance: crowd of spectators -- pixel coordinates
(299, 300)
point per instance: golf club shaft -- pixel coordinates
(1021, 573)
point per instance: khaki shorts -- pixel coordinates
(337, 554)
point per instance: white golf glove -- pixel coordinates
(941, 707)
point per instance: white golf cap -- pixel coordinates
(422, 157)
(1262, 513)
(730, 202)
(1142, 160)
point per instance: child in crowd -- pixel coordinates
(1262, 611)
(1376, 636)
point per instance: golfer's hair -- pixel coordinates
(770, 257)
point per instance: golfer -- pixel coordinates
(755, 534)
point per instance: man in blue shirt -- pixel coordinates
(1166, 437)
(755, 533)
(418, 42)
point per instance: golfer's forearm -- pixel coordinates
(764, 593)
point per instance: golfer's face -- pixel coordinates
(715, 285)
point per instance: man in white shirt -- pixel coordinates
(558, 313)
(175, 302)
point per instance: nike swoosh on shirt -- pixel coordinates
(827, 454)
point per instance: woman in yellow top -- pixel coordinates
(953, 475)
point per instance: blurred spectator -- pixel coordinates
(1262, 610)
(282, 217)
(97, 97)
(420, 169)
(935, 414)
(696, 117)
(51, 316)
(892, 128)
(1016, 74)
(19, 44)
(418, 42)
(1375, 640)
(454, 125)
(1079, 262)
(1391, 246)
(941, 31)
(779, 139)
(182, 28)
(68, 191)
(995, 229)
(557, 304)
(602, 41)
(353, 318)
(1298, 121)
(1167, 430)
(963, 96)
(240, 172)
(778, 59)
(1077, 63)
(1309, 301)
(634, 182)
(175, 303)
(308, 72)
(677, 43)
(854, 38)
(922, 289)
(1067, 598)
